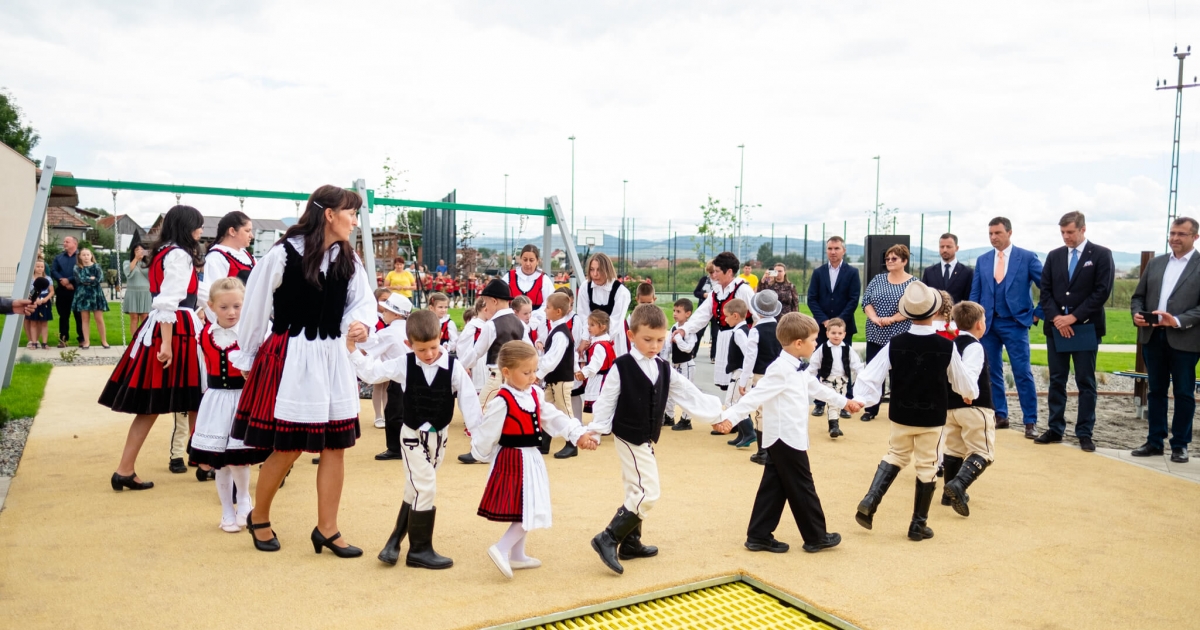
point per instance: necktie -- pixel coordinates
(1071, 265)
(998, 271)
(946, 276)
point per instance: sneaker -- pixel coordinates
(682, 425)
(831, 540)
(772, 545)
(380, 423)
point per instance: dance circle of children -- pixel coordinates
(262, 361)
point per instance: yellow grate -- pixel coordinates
(735, 605)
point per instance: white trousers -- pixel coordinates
(684, 370)
(423, 454)
(639, 472)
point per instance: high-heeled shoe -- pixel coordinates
(270, 545)
(319, 541)
(119, 482)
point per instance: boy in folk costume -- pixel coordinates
(783, 395)
(923, 367)
(429, 380)
(762, 348)
(834, 364)
(385, 345)
(472, 329)
(970, 435)
(739, 343)
(680, 352)
(631, 407)
(557, 365)
(645, 295)
(726, 286)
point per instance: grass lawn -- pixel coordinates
(112, 322)
(23, 398)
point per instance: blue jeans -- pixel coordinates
(1009, 333)
(1085, 380)
(1165, 364)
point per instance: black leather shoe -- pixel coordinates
(177, 466)
(835, 431)
(1031, 432)
(844, 415)
(269, 545)
(1002, 422)
(1146, 450)
(205, 475)
(831, 540)
(119, 483)
(605, 543)
(772, 545)
(320, 542)
(1179, 455)
(1049, 437)
(867, 417)
(682, 425)
(1087, 445)
(668, 421)
(569, 450)
(818, 410)
(389, 455)
(466, 458)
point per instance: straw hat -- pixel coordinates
(397, 304)
(919, 301)
(766, 303)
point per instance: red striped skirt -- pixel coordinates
(503, 498)
(141, 385)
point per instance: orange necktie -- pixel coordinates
(998, 272)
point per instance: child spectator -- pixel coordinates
(835, 363)
(600, 356)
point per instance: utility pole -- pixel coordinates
(624, 188)
(741, 196)
(572, 139)
(506, 261)
(875, 212)
(1173, 196)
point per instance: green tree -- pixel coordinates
(22, 138)
(717, 223)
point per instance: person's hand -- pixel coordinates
(741, 390)
(587, 442)
(967, 400)
(202, 315)
(1036, 319)
(24, 307)
(1138, 320)
(1165, 319)
(584, 344)
(164, 355)
(541, 347)
(357, 332)
(853, 406)
(678, 334)
(580, 377)
(64, 282)
(723, 426)
(350, 345)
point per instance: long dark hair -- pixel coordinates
(234, 220)
(177, 228)
(136, 243)
(312, 228)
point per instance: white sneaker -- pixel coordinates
(230, 526)
(528, 563)
(501, 561)
(380, 423)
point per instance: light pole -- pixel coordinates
(875, 212)
(741, 195)
(572, 139)
(624, 188)
(505, 239)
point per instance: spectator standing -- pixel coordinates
(1003, 286)
(62, 271)
(881, 303)
(400, 279)
(833, 292)
(949, 275)
(89, 297)
(37, 323)
(788, 298)
(1076, 282)
(137, 287)
(1170, 285)
(441, 267)
(703, 288)
(748, 276)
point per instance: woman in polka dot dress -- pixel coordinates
(881, 303)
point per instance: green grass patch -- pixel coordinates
(23, 398)
(113, 319)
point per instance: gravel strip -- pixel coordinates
(80, 360)
(12, 443)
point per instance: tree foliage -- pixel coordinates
(766, 256)
(717, 223)
(21, 137)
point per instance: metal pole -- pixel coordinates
(507, 251)
(1173, 195)
(949, 214)
(876, 210)
(624, 189)
(824, 259)
(742, 196)
(572, 139)
(24, 276)
(921, 245)
(633, 241)
(364, 221)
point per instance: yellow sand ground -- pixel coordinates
(1056, 539)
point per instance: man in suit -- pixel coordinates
(833, 291)
(1076, 282)
(950, 275)
(1170, 285)
(1003, 285)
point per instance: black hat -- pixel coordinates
(497, 288)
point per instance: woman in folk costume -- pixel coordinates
(529, 281)
(160, 370)
(301, 393)
(603, 292)
(228, 258)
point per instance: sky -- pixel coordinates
(1020, 109)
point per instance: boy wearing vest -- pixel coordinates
(556, 367)
(970, 436)
(439, 303)
(430, 380)
(680, 352)
(645, 295)
(726, 286)
(762, 348)
(735, 354)
(835, 363)
(631, 406)
(385, 345)
(923, 367)
(598, 358)
(783, 394)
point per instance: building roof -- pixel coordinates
(63, 217)
(62, 196)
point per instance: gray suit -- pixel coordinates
(1171, 353)
(6, 307)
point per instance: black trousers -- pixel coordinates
(393, 416)
(62, 303)
(872, 350)
(1085, 381)
(787, 478)
(712, 340)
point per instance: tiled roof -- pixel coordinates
(61, 217)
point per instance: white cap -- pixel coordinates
(397, 304)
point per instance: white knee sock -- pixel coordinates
(518, 549)
(241, 477)
(514, 535)
(224, 489)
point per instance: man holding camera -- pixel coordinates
(1170, 285)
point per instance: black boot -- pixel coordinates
(391, 549)
(568, 450)
(835, 431)
(544, 445)
(420, 538)
(956, 487)
(950, 466)
(683, 425)
(761, 457)
(884, 476)
(632, 546)
(740, 427)
(668, 420)
(917, 530)
(606, 542)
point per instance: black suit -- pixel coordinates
(959, 286)
(1083, 295)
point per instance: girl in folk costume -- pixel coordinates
(599, 358)
(602, 292)
(518, 488)
(301, 393)
(528, 280)
(943, 322)
(160, 370)
(212, 446)
(439, 303)
(228, 258)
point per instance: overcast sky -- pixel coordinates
(1022, 109)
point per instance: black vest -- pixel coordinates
(769, 347)
(953, 399)
(302, 308)
(735, 356)
(508, 328)
(919, 380)
(428, 403)
(612, 299)
(679, 356)
(639, 415)
(564, 372)
(826, 368)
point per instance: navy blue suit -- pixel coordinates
(1010, 311)
(827, 301)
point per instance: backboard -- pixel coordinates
(589, 238)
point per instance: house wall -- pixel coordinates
(18, 187)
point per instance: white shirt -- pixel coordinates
(700, 318)
(451, 328)
(600, 295)
(1007, 251)
(525, 284)
(835, 371)
(972, 359)
(216, 267)
(487, 337)
(372, 370)
(700, 406)
(833, 273)
(684, 343)
(749, 350)
(388, 343)
(555, 348)
(485, 438)
(952, 262)
(869, 386)
(598, 357)
(1171, 275)
(784, 393)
